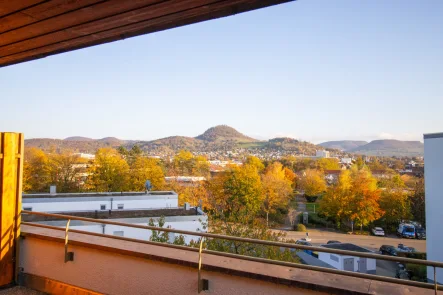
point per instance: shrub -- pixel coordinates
(301, 227)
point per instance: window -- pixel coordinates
(103, 207)
(119, 233)
(335, 258)
(120, 206)
(27, 208)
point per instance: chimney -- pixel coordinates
(53, 190)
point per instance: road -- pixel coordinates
(319, 237)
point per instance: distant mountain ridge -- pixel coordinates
(225, 138)
(218, 138)
(343, 145)
(391, 147)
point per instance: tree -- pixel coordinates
(291, 176)
(359, 162)
(109, 171)
(142, 169)
(277, 188)
(336, 202)
(164, 236)
(64, 171)
(328, 164)
(312, 182)
(256, 162)
(185, 163)
(396, 205)
(418, 202)
(355, 197)
(35, 171)
(365, 197)
(243, 189)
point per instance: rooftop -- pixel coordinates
(97, 194)
(347, 246)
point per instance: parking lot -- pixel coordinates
(319, 237)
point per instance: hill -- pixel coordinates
(224, 133)
(74, 144)
(216, 139)
(343, 145)
(78, 138)
(391, 147)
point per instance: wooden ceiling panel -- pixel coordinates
(40, 12)
(10, 6)
(103, 22)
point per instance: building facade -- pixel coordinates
(434, 200)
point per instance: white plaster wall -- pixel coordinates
(47, 206)
(326, 257)
(434, 203)
(143, 234)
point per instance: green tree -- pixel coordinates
(418, 202)
(312, 182)
(243, 189)
(109, 172)
(395, 203)
(163, 236)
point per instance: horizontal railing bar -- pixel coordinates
(254, 259)
(111, 236)
(328, 270)
(248, 240)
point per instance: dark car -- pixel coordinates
(333, 242)
(304, 243)
(420, 233)
(388, 250)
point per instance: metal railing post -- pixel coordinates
(69, 256)
(202, 284)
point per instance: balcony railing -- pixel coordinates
(435, 264)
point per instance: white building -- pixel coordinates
(181, 222)
(347, 262)
(434, 200)
(99, 201)
(347, 161)
(86, 156)
(322, 154)
(131, 207)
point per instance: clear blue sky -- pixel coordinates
(311, 69)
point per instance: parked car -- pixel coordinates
(388, 250)
(304, 243)
(420, 233)
(333, 242)
(403, 248)
(378, 231)
(406, 230)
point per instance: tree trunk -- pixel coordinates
(267, 219)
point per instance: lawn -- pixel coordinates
(312, 207)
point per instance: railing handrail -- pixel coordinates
(250, 258)
(246, 240)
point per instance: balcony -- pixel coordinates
(118, 265)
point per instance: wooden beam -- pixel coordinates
(11, 174)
